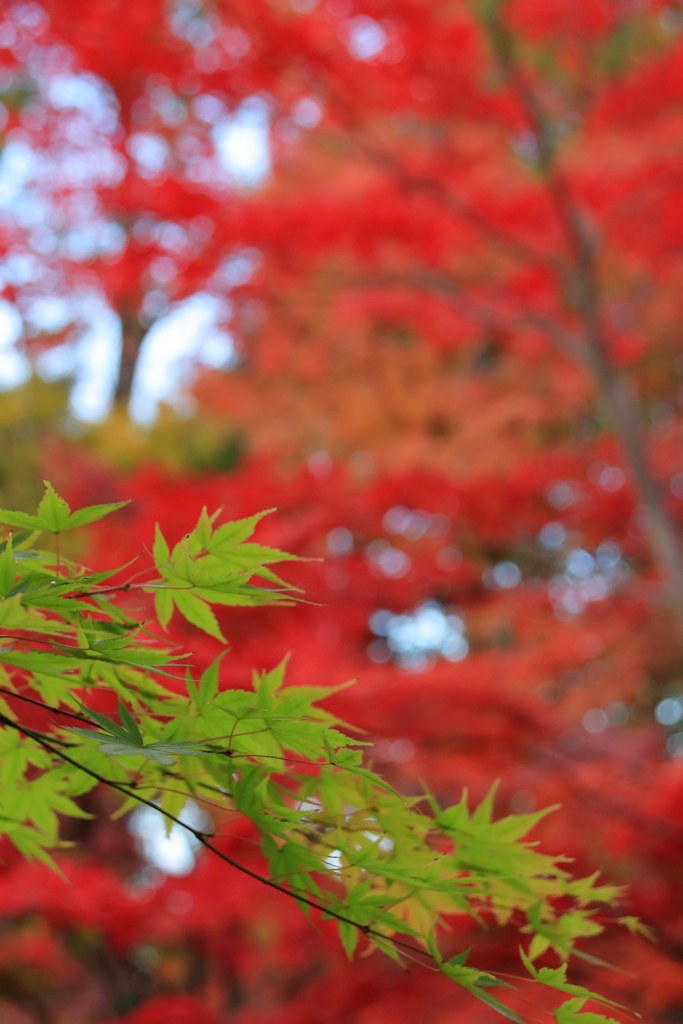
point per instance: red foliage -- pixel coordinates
(487, 717)
(456, 267)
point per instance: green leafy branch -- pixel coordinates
(336, 836)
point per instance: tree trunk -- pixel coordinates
(663, 535)
(132, 336)
(614, 388)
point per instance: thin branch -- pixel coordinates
(457, 207)
(126, 588)
(225, 753)
(47, 707)
(201, 837)
(32, 640)
(39, 737)
(139, 786)
(272, 757)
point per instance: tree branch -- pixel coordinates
(201, 837)
(613, 386)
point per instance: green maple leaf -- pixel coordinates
(55, 516)
(108, 743)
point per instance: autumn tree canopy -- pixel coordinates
(453, 299)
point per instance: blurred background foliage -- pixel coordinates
(412, 274)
